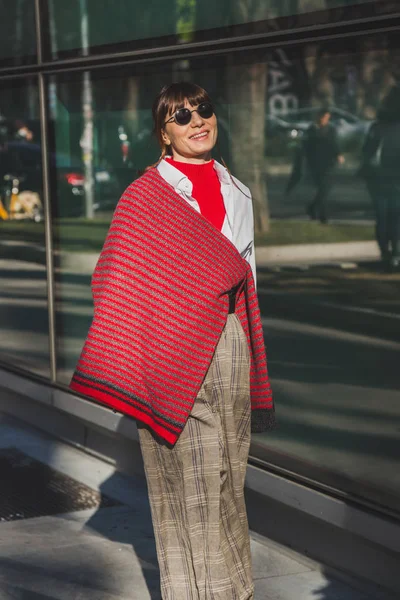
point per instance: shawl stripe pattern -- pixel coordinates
(160, 305)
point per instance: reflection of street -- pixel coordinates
(333, 340)
(23, 315)
(333, 343)
(337, 397)
(365, 288)
(349, 198)
(24, 338)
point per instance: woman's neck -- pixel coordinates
(193, 160)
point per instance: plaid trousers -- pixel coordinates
(196, 488)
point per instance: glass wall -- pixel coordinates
(23, 293)
(83, 27)
(17, 32)
(312, 128)
(294, 126)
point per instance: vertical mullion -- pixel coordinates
(44, 115)
(48, 226)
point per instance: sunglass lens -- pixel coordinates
(205, 110)
(183, 116)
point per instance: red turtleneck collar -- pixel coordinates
(206, 189)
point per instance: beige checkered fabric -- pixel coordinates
(196, 487)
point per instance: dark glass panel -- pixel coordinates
(24, 340)
(330, 299)
(17, 32)
(83, 27)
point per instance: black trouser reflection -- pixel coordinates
(386, 199)
(318, 208)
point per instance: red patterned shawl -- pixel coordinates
(160, 305)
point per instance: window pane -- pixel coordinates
(330, 306)
(90, 26)
(23, 294)
(17, 32)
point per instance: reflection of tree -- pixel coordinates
(247, 93)
(364, 76)
(344, 3)
(377, 75)
(247, 88)
(128, 20)
(304, 6)
(355, 82)
(318, 65)
(132, 105)
(358, 81)
(19, 8)
(186, 15)
(17, 30)
(53, 33)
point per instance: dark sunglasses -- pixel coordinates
(183, 116)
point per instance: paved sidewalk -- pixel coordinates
(109, 553)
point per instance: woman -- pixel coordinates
(177, 343)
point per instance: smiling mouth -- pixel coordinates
(199, 136)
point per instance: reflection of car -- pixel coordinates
(293, 124)
(67, 178)
(70, 186)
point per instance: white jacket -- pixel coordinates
(238, 225)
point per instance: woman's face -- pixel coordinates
(193, 142)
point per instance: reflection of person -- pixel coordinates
(23, 132)
(321, 151)
(4, 130)
(381, 169)
(176, 342)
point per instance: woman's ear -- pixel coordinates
(165, 138)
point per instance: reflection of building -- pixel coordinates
(329, 478)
